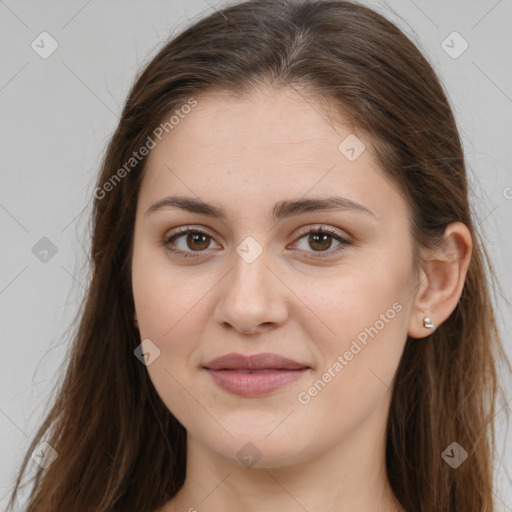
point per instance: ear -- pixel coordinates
(135, 321)
(441, 280)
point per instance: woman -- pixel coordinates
(289, 307)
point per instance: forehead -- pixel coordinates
(271, 121)
(269, 144)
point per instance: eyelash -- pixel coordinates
(323, 230)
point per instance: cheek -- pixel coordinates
(358, 365)
(360, 303)
(167, 310)
(367, 316)
(162, 297)
(171, 310)
(164, 304)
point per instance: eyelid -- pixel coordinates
(181, 231)
(304, 230)
(185, 230)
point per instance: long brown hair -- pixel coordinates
(119, 448)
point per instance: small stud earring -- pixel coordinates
(427, 322)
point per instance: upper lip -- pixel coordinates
(262, 361)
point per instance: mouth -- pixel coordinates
(255, 375)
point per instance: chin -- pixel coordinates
(258, 450)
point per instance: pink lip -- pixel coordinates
(254, 375)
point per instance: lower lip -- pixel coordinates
(254, 384)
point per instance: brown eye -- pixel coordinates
(197, 241)
(320, 240)
(194, 241)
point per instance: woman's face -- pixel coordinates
(258, 284)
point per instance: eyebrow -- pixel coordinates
(281, 210)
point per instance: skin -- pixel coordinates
(245, 155)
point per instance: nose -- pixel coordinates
(252, 298)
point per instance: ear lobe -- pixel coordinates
(135, 321)
(441, 280)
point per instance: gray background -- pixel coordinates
(58, 113)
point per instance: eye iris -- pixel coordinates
(313, 236)
(191, 239)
